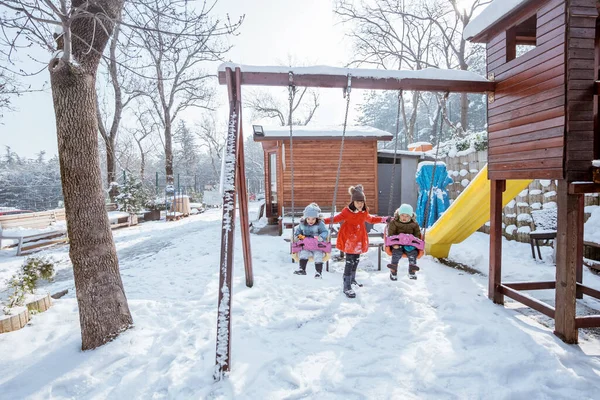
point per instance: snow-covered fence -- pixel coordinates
(517, 219)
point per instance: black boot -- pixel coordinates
(318, 270)
(302, 270)
(348, 287)
(412, 268)
(393, 271)
(353, 282)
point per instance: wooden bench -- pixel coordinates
(594, 249)
(119, 219)
(379, 244)
(39, 220)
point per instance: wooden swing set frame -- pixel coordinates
(235, 181)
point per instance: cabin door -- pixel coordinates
(272, 199)
(384, 177)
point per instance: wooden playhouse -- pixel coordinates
(543, 56)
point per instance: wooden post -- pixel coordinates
(495, 274)
(566, 262)
(580, 223)
(242, 189)
(223, 348)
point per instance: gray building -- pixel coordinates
(405, 186)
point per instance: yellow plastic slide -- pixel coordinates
(467, 214)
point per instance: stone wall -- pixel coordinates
(517, 220)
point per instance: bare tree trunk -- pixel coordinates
(169, 154)
(103, 309)
(142, 159)
(111, 169)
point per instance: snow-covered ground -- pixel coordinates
(296, 337)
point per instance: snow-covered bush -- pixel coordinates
(463, 145)
(480, 141)
(132, 195)
(25, 281)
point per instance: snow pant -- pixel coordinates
(352, 261)
(397, 255)
(318, 265)
(316, 255)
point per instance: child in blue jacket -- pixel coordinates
(311, 226)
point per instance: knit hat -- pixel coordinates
(405, 209)
(357, 193)
(312, 211)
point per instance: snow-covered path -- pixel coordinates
(293, 336)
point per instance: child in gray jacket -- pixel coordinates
(312, 227)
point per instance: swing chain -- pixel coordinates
(390, 204)
(347, 90)
(348, 87)
(438, 134)
(292, 88)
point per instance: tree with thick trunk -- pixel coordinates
(103, 308)
(85, 30)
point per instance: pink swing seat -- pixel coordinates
(404, 239)
(311, 244)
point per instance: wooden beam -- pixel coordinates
(588, 321)
(531, 285)
(579, 245)
(286, 138)
(242, 190)
(363, 82)
(495, 273)
(528, 301)
(223, 342)
(584, 187)
(567, 243)
(589, 291)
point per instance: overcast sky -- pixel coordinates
(272, 31)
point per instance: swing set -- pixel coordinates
(234, 181)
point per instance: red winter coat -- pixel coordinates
(353, 237)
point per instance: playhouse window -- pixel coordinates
(521, 38)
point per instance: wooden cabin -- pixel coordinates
(543, 56)
(316, 155)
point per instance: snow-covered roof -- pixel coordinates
(491, 15)
(401, 152)
(322, 132)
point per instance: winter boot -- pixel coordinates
(302, 270)
(412, 268)
(318, 270)
(393, 271)
(353, 282)
(348, 287)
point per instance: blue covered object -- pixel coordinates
(439, 201)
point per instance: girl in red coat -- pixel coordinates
(353, 238)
